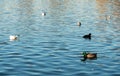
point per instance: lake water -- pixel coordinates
(51, 45)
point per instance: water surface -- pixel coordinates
(51, 45)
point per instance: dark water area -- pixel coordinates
(51, 45)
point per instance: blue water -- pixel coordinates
(51, 45)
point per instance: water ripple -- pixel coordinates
(52, 45)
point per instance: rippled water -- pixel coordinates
(51, 45)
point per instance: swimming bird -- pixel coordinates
(89, 55)
(87, 36)
(13, 37)
(108, 17)
(43, 13)
(79, 23)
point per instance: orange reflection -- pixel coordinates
(116, 8)
(102, 8)
(101, 5)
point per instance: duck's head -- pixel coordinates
(85, 54)
(89, 34)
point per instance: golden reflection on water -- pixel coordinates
(102, 9)
(101, 5)
(109, 11)
(116, 8)
(108, 7)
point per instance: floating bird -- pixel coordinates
(87, 36)
(13, 37)
(43, 13)
(79, 23)
(108, 17)
(89, 55)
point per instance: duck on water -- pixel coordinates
(13, 37)
(88, 36)
(90, 56)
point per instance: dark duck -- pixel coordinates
(87, 36)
